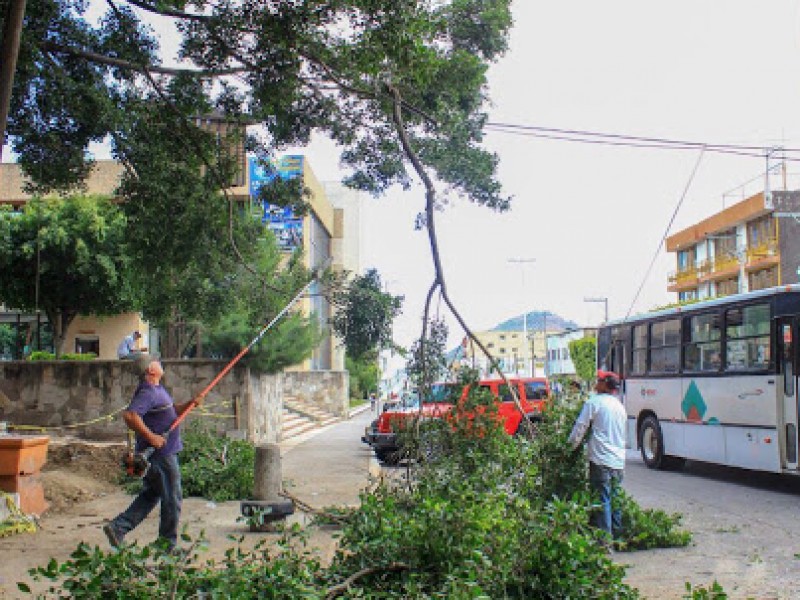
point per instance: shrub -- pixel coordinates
(41, 355)
(215, 467)
(75, 356)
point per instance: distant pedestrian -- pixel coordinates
(606, 416)
(150, 414)
(373, 401)
(128, 347)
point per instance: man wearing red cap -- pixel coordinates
(606, 447)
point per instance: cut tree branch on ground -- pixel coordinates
(339, 589)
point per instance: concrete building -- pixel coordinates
(321, 233)
(559, 361)
(508, 348)
(751, 245)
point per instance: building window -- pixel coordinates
(725, 244)
(764, 278)
(726, 287)
(687, 295)
(760, 231)
(686, 259)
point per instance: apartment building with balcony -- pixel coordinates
(751, 245)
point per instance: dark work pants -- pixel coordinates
(161, 484)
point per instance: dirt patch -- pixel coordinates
(77, 472)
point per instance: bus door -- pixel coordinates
(788, 382)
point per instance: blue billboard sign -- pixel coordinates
(281, 220)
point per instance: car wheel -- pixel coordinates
(527, 429)
(388, 457)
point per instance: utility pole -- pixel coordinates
(8, 61)
(526, 343)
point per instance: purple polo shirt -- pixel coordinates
(157, 409)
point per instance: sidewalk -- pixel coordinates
(328, 468)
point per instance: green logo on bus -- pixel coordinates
(693, 405)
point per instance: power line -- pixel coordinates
(666, 232)
(613, 139)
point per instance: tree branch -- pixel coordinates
(430, 197)
(131, 66)
(339, 589)
(169, 12)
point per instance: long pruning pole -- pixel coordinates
(196, 400)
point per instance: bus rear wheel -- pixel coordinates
(651, 442)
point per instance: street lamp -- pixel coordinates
(605, 304)
(522, 262)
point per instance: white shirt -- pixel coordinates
(126, 346)
(607, 417)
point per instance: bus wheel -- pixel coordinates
(652, 443)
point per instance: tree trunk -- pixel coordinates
(8, 60)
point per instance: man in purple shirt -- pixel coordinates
(149, 415)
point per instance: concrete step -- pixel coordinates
(295, 424)
(301, 417)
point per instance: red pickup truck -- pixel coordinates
(533, 393)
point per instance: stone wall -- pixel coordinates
(327, 390)
(85, 398)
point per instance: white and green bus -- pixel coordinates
(715, 381)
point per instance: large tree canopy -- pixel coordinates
(65, 257)
(336, 66)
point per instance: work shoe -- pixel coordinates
(114, 538)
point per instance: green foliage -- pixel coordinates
(145, 572)
(650, 528)
(327, 67)
(41, 355)
(215, 467)
(252, 304)
(364, 315)
(427, 358)
(8, 338)
(288, 343)
(65, 256)
(474, 524)
(363, 375)
(485, 516)
(714, 592)
(564, 474)
(583, 353)
(76, 356)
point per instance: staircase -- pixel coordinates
(300, 418)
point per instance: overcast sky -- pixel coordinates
(592, 216)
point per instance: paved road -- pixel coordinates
(745, 526)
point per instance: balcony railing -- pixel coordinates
(725, 263)
(686, 275)
(763, 250)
